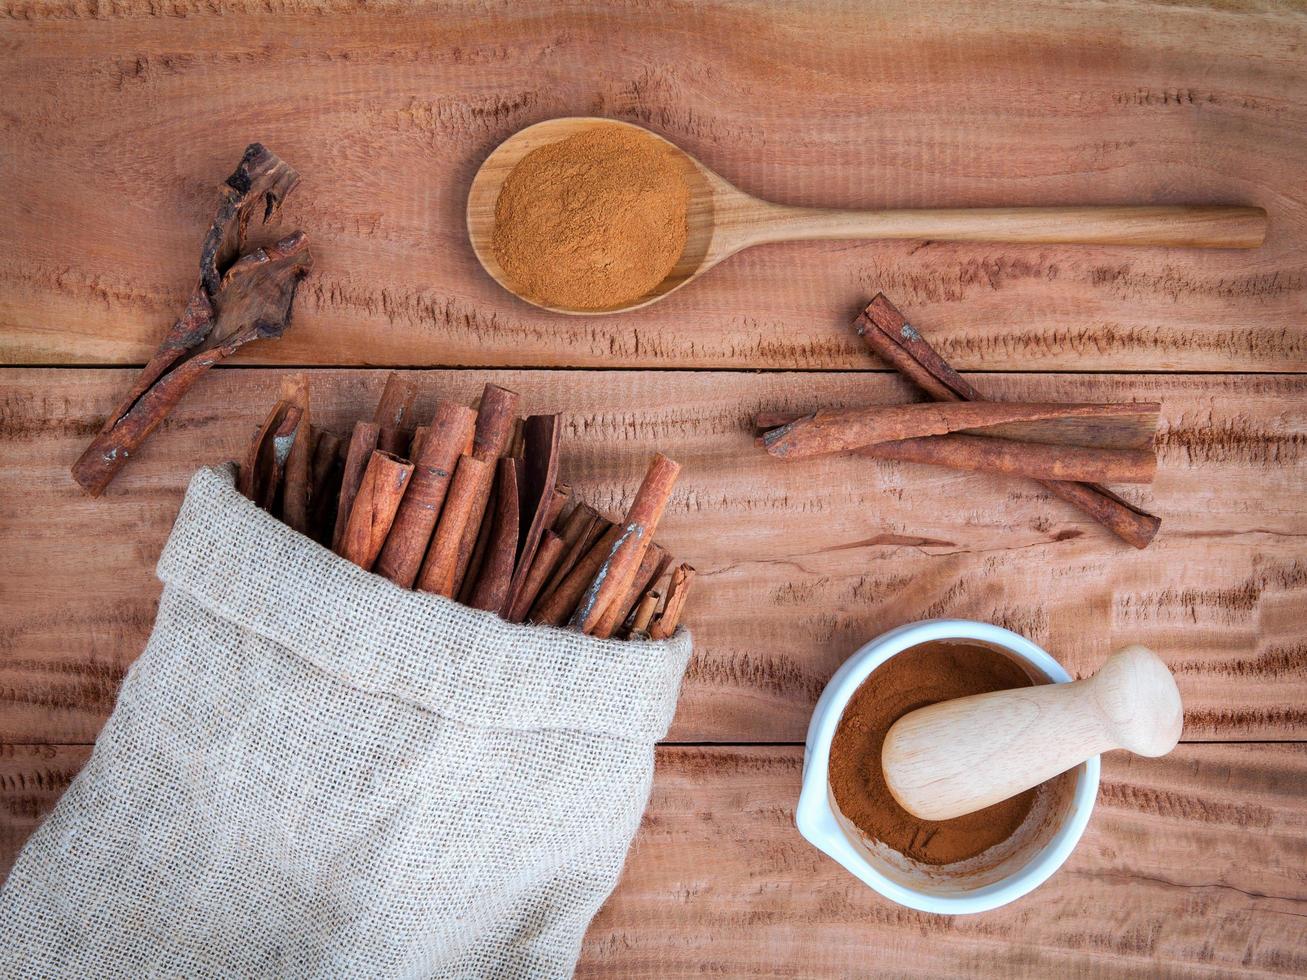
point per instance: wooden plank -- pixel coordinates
(117, 120)
(1192, 864)
(799, 563)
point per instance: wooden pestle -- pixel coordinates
(956, 757)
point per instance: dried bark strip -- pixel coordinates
(239, 298)
(491, 591)
(374, 508)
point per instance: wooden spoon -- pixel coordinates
(723, 219)
(960, 756)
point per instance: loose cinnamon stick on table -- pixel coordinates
(557, 604)
(652, 565)
(678, 591)
(374, 508)
(361, 445)
(636, 534)
(547, 557)
(262, 475)
(295, 488)
(239, 298)
(496, 418)
(889, 335)
(496, 575)
(393, 414)
(440, 568)
(841, 430)
(991, 454)
(406, 545)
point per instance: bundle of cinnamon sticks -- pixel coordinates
(1070, 449)
(469, 506)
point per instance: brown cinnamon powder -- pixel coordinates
(917, 677)
(594, 221)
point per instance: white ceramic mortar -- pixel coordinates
(999, 876)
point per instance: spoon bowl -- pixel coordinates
(722, 219)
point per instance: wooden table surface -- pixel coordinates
(119, 117)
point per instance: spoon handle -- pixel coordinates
(1191, 227)
(960, 756)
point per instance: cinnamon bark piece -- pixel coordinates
(652, 565)
(1012, 457)
(496, 417)
(374, 508)
(295, 487)
(406, 545)
(394, 413)
(325, 472)
(555, 606)
(547, 557)
(439, 570)
(580, 531)
(678, 591)
(888, 334)
(636, 534)
(362, 443)
(238, 299)
(491, 591)
(841, 430)
(644, 613)
(265, 463)
(540, 438)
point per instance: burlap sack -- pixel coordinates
(311, 772)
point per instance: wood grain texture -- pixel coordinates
(799, 563)
(117, 120)
(1192, 865)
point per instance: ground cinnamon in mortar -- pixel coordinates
(593, 221)
(913, 679)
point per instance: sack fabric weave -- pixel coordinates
(311, 772)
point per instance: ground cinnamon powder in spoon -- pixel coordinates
(917, 677)
(593, 221)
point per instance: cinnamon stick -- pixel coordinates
(324, 479)
(540, 439)
(888, 334)
(240, 298)
(373, 511)
(394, 412)
(1012, 457)
(556, 605)
(678, 591)
(636, 534)
(262, 475)
(439, 570)
(491, 591)
(361, 445)
(840, 430)
(652, 565)
(415, 447)
(556, 504)
(580, 531)
(643, 614)
(547, 557)
(295, 486)
(406, 546)
(496, 418)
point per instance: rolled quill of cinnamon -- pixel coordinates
(440, 569)
(373, 511)
(635, 534)
(841, 430)
(406, 546)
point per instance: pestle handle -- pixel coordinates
(1190, 226)
(960, 756)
